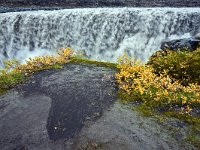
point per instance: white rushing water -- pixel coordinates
(102, 33)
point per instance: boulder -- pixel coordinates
(170, 46)
(189, 44)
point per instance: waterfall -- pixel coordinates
(101, 33)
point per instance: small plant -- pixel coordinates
(8, 77)
(183, 66)
(158, 94)
(161, 91)
(46, 62)
(15, 73)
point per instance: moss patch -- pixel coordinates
(193, 126)
(194, 140)
(192, 123)
(78, 60)
(11, 80)
(8, 81)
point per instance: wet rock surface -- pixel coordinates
(125, 129)
(55, 105)
(189, 44)
(75, 108)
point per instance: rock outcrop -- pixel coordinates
(54, 105)
(74, 109)
(167, 47)
(189, 44)
(96, 3)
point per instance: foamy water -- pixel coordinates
(102, 33)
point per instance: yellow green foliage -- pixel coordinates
(182, 65)
(140, 83)
(15, 73)
(9, 78)
(158, 93)
(7, 81)
(46, 62)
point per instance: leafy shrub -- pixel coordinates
(8, 78)
(139, 83)
(14, 73)
(46, 62)
(182, 66)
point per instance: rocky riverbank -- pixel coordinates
(76, 108)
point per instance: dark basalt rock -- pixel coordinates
(167, 47)
(73, 109)
(57, 102)
(101, 3)
(189, 44)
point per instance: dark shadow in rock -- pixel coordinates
(80, 93)
(21, 147)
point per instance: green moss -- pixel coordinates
(148, 108)
(194, 134)
(56, 66)
(77, 60)
(194, 140)
(12, 79)
(7, 81)
(193, 124)
(145, 111)
(151, 109)
(192, 120)
(2, 91)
